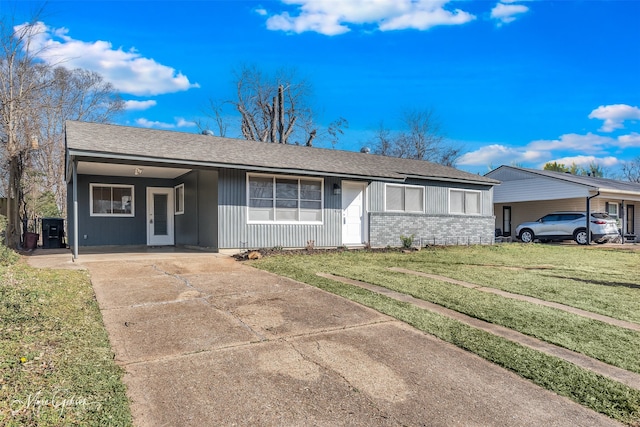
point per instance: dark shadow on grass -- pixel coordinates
(597, 282)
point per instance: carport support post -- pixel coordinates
(589, 216)
(75, 209)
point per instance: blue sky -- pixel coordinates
(513, 82)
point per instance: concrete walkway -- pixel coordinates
(563, 307)
(206, 340)
(618, 374)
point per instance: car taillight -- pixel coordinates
(599, 222)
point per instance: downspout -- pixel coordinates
(623, 221)
(75, 208)
(589, 216)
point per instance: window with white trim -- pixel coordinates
(612, 209)
(284, 199)
(464, 202)
(179, 199)
(111, 200)
(404, 198)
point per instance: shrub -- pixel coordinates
(407, 241)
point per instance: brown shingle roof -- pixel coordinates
(85, 139)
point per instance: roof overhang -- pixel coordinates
(86, 157)
(460, 181)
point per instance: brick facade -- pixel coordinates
(385, 229)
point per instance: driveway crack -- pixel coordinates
(352, 387)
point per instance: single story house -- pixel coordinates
(528, 194)
(137, 186)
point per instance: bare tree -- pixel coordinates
(274, 108)
(421, 138)
(35, 100)
(21, 85)
(72, 95)
(215, 111)
(270, 107)
(631, 170)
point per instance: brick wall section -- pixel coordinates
(385, 229)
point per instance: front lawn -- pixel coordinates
(56, 364)
(596, 280)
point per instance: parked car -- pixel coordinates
(569, 226)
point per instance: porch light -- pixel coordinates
(336, 190)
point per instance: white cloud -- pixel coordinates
(588, 143)
(631, 140)
(496, 154)
(128, 71)
(585, 161)
(179, 123)
(506, 11)
(183, 123)
(615, 115)
(333, 17)
(133, 105)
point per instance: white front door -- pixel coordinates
(159, 216)
(353, 213)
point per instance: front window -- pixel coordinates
(179, 199)
(284, 199)
(612, 209)
(464, 202)
(111, 200)
(404, 198)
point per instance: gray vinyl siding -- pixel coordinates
(234, 232)
(100, 231)
(207, 208)
(436, 196)
(187, 224)
(198, 225)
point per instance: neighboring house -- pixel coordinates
(135, 186)
(528, 194)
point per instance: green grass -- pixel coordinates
(597, 280)
(616, 345)
(56, 365)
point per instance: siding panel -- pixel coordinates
(101, 231)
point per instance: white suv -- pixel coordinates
(569, 226)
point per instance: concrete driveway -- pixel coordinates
(208, 341)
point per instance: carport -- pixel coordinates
(528, 194)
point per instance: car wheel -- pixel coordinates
(526, 236)
(580, 236)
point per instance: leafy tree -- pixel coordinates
(555, 167)
(421, 138)
(593, 169)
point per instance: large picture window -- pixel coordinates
(284, 199)
(404, 198)
(111, 200)
(464, 202)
